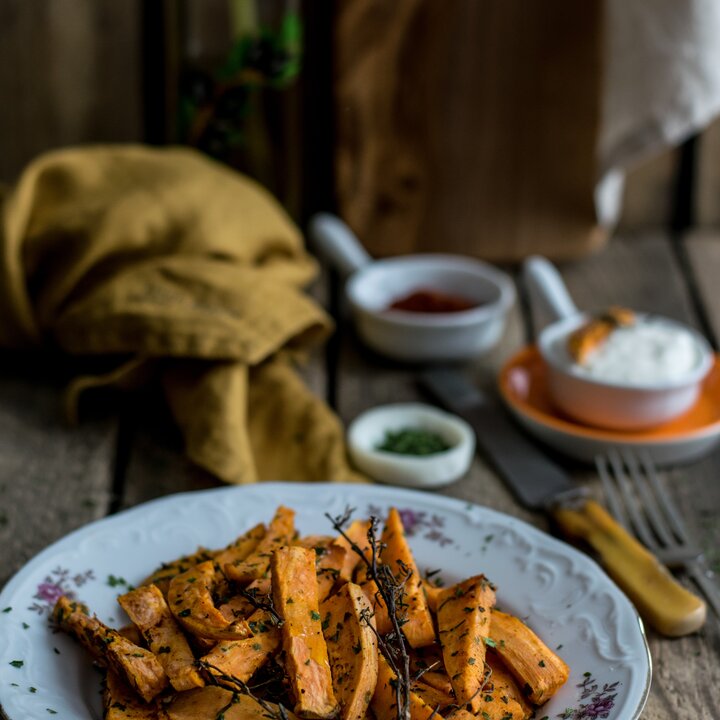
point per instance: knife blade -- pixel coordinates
(535, 480)
(541, 484)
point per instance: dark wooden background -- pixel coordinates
(441, 119)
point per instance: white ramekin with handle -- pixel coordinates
(609, 404)
(373, 285)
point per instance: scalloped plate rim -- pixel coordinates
(374, 492)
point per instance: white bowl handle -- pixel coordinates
(546, 287)
(337, 243)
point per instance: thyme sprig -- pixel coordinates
(261, 601)
(216, 676)
(391, 590)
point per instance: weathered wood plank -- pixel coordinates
(640, 271)
(455, 147)
(69, 73)
(53, 477)
(648, 193)
(707, 208)
(703, 250)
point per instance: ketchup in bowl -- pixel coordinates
(425, 300)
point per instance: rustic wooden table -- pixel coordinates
(54, 478)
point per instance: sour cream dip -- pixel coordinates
(650, 352)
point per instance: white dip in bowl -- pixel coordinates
(646, 353)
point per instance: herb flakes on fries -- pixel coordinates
(331, 626)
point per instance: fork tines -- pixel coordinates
(637, 498)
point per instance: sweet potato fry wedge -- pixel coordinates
(209, 703)
(348, 628)
(280, 532)
(418, 629)
(241, 659)
(295, 596)
(502, 696)
(461, 714)
(329, 561)
(131, 633)
(137, 666)
(463, 617)
(384, 700)
(147, 608)
(370, 588)
(436, 699)
(241, 548)
(426, 658)
(121, 703)
(438, 680)
(167, 571)
(237, 551)
(190, 598)
(538, 670)
(238, 607)
(431, 595)
(357, 532)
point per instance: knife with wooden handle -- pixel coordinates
(540, 484)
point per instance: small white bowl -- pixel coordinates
(603, 403)
(416, 336)
(368, 431)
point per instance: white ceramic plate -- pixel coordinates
(561, 593)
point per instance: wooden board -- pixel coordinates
(53, 477)
(703, 249)
(707, 194)
(468, 127)
(648, 196)
(69, 73)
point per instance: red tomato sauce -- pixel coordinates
(432, 301)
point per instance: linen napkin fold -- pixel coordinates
(164, 257)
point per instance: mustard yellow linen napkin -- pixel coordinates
(156, 254)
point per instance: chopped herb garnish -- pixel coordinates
(314, 615)
(17, 663)
(7, 609)
(413, 441)
(114, 581)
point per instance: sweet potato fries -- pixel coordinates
(318, 627)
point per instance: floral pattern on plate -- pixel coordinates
(561, 593)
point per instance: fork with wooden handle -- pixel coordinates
(660, 599)
(638, 500)
(540, 484)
